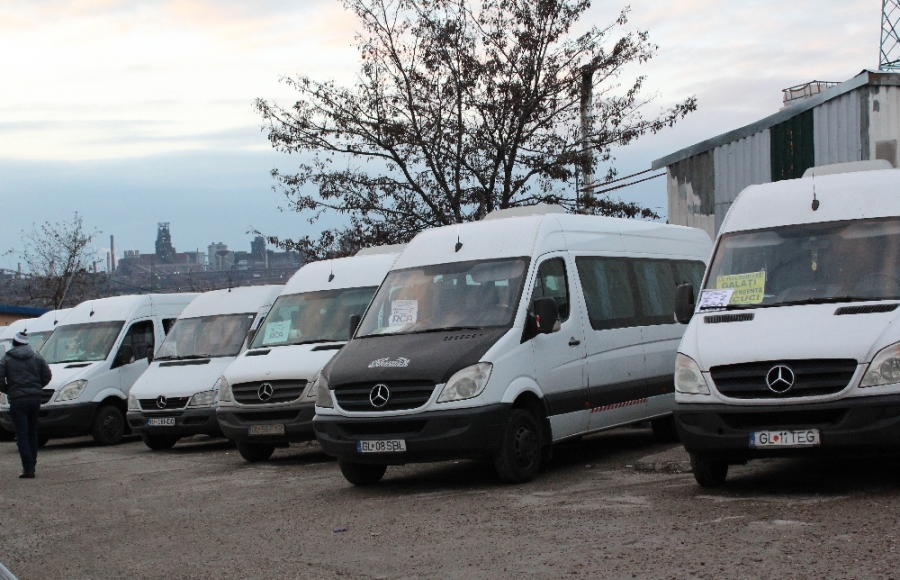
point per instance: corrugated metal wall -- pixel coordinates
(690, 189)
(737, 165)
(881, 112)
(838, 135)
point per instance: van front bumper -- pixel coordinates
(197, 421)
(430, 436)
(297, 419)
(59, 420)
(855, 426)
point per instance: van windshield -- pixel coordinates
(446, 296)
(811, 263)
(36, 340)
(206, 336)
(322, 316)
(81, 342)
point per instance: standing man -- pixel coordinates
(23, 374)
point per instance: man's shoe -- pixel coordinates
(27, 475)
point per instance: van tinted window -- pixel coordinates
(551, 283)
(622, 292)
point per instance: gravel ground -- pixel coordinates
(615, 505)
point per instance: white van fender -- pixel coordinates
(109, 392)
(521, 385)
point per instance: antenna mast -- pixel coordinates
(889, 57)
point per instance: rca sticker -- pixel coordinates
(277, 332)
(746, 288)
(404, 312)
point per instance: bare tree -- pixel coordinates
(460, 107)
(59, 260)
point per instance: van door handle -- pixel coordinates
(573, 342)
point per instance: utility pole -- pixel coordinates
(587, 102)
(889, 54)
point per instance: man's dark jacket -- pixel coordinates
(23, 373)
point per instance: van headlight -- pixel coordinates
(203, 399)
(323, 395)
(884, 368)
(71, 390)
(466, 383)
(133, 404)
(688, 378)
(224, 389)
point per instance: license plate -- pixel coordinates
(794, 438)
(266, 429)
(161, 422)
(381, 446)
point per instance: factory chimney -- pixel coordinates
(112, 253)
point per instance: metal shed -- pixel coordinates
(857, 120)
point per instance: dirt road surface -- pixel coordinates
(615, 505)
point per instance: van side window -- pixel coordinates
(140, 339)
(656, 288)
(168, 323)
(608, 292)
(690, 273)
(551, 283)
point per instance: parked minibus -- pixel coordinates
(794, 349)
(264, 401)
(96, 354)
(10, 331)
(496, 339)
(176, 396)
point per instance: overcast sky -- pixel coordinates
(135, 112)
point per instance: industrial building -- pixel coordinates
(820, 124)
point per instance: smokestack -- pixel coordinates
(112, 252)
(19, 275)
(107, 262)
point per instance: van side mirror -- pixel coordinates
(546, 315)
(684, 303)
(124, 356)
(250, 335)
(355, 319)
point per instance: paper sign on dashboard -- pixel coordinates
(404, 312)
(748, 288)
(714, 300)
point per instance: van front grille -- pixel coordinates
(812, 377)
(403, 395)
(268, 392)
(169, 404)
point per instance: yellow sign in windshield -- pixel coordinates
(748, 288)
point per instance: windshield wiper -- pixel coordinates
(445, 329)
(184, 357)
(317, 341)
(805, 301)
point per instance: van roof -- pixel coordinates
(535, 235)
(47, 321)
(352, 272)
(120, 307)
(843, 196)
(242, 300)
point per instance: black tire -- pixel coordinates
(362, 474)
(109, 426)
(255, 452)
(519, 457)
(42, 440)
(708, 473)
(160, 442)
(664, 430)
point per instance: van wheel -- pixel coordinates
(519, 456)
(160, 442)
(109, 426)
(664, 429)
(42, 440)
(254, 452)
(708, 473)
(362, 474)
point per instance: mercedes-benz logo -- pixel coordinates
(265, 392)
(780, 379)
(379, 395)
(161, 401)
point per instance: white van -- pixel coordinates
(263, 397)
(803, 355)
(501, 337)
(95, 354)
(176, 396)
(38, 329)
(10, 331)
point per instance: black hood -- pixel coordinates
(23, 352)
(431, 356)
